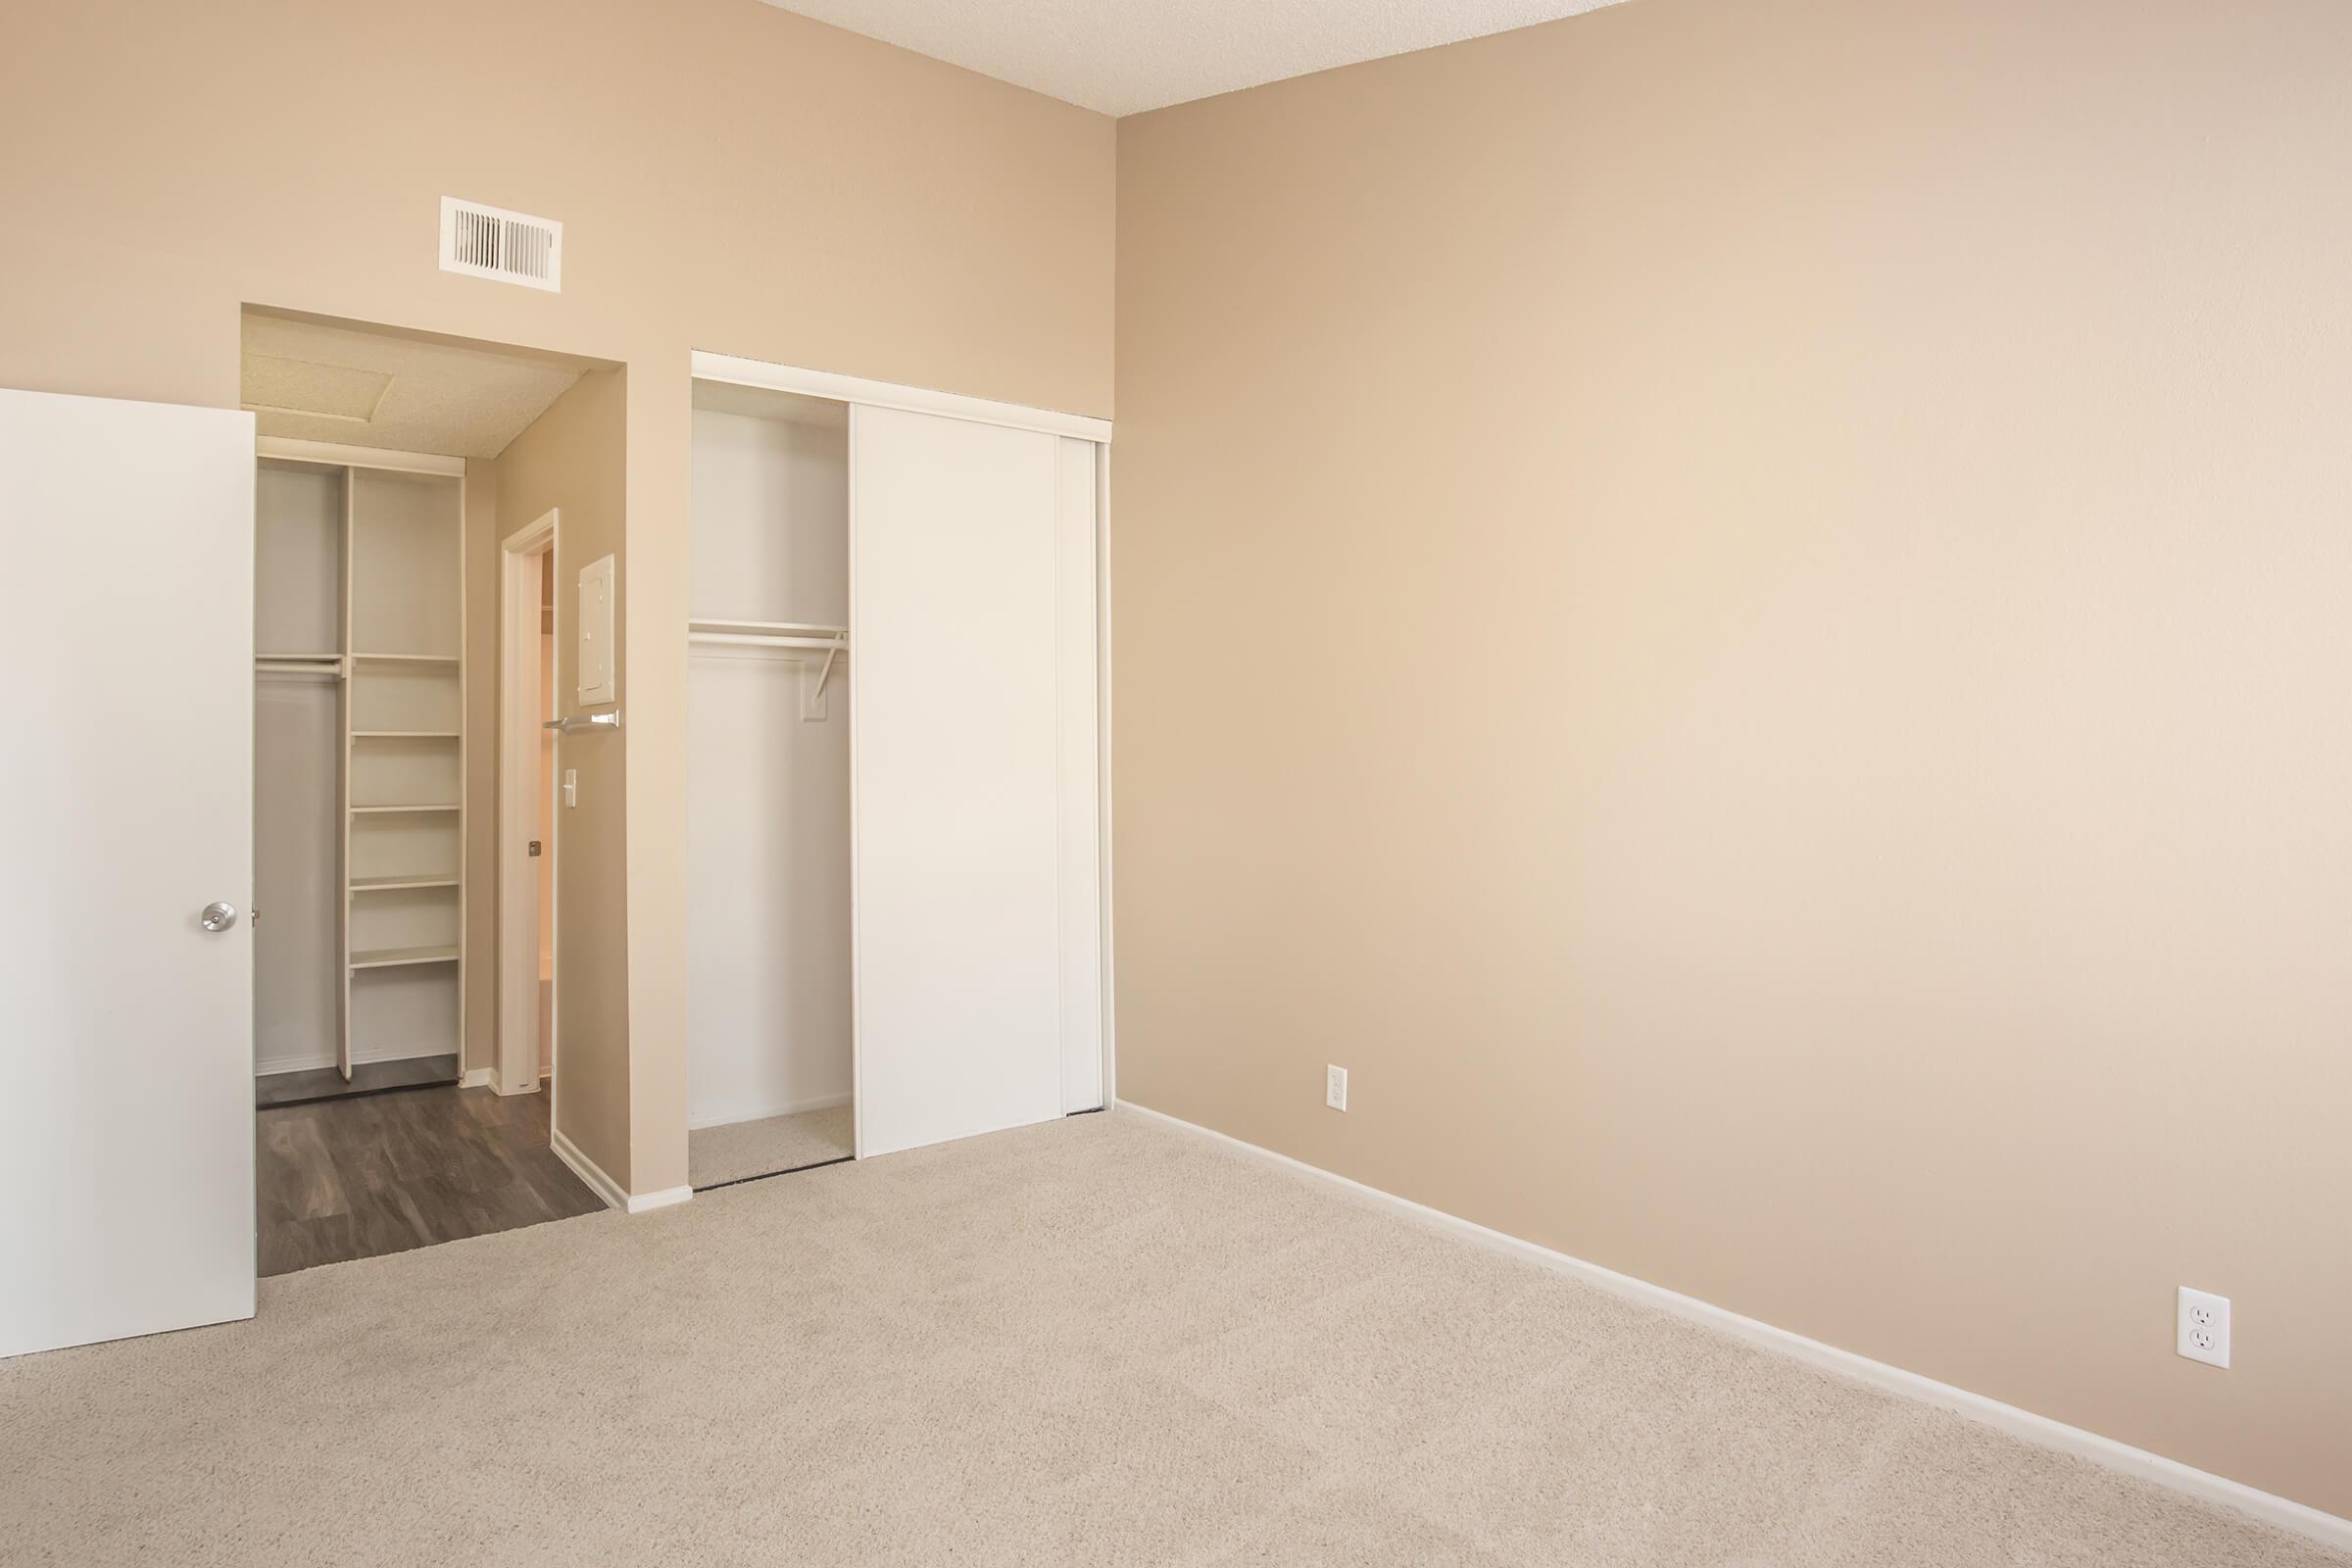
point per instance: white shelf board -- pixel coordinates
(406, 659)
(766, 628)
(392, 810)
(404, 734)
(387, 884)
(394, 958)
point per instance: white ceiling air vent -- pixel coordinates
(511, 247)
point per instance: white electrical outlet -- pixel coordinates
(1334, 1088)
(2204, 1329)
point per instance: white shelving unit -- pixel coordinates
(365, 559)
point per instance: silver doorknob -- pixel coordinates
(218, 916)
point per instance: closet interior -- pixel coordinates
(359, 736)
(769, 695)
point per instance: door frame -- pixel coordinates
(513, 1070)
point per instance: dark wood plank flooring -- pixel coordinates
(367, 1078)
(359, 1177)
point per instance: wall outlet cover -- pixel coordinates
(2203, 1329)
(1334, 1088)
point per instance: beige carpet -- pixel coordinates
(746, 1148)
(1097, 1341)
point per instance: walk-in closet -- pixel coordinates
(359, 741)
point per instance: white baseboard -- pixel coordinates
(733, 1114)
(475, 1078)
(362, 1059)
(664, 1198)
(264, 1067)
(2040, 1430)
(589, 1171)
(604, 1187)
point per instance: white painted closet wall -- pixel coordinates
(767, 836)
(297, 777)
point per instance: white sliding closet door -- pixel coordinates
(126, 630)
(957, 773)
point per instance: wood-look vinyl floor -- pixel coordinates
(359, 1177)
(367, 1078)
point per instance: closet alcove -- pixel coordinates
(895, 928)
(769, 687)
(359, 738)
(767, 798)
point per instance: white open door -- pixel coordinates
(126, 1198)
(958, 769)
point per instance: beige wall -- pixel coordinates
(570, 462)
(1741, 607)
(730, 176)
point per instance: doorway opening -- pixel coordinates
(527, 809)
(395, 1106)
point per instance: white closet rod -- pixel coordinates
(835, 647)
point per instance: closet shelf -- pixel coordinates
(394, 958)
(767, 628)
(832, 641)
(309, 666)
(770, 634)
(388, 884)
(361, 574)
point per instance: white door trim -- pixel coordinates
(710, 366)
(516, 1061)
(1110, 970)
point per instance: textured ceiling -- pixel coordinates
(375, 389)
(1123, 56)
